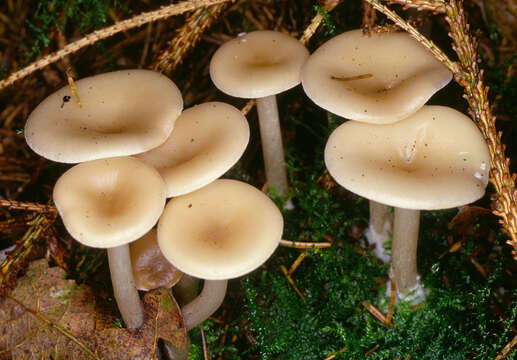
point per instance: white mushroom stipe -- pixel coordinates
(205, 304)
(186, 289)
(379, 230)
(272, 147)
(404, 250)
(124, 288)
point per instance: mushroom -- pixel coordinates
(259, 65)
(419, 163)
(123, 113)
(150, 269)
(210, 234)
(108, 203)
(378, 79)
(207, 140)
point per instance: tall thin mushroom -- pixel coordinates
(419, 163)
(109, 203)
(259, 65)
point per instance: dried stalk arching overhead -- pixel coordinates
(467, 73)
(186, 38)
(90, 39)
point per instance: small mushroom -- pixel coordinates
(150, 269)
(419, 163)
(207, 140)
(108, 203)
(379, 79)
(123, 113)
(221, 231)
(259, 65)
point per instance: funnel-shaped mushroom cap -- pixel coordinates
(435, 159)
(151, 269)
(207, 140)
(221, 231)
(109, 202)
(258, 64)
(379, 79)
(123, 113)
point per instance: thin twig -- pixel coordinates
(291, 281)
(476, 94)
(186, 38)
(436, 6)
(27, 206)
(375, 312)
(297, 263)
(304, 245)
(506, 350)
(90, 39)
(203, 342)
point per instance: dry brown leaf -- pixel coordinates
(48, 316)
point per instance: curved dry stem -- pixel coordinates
(124, 288)
(90, 39)
(199, 309)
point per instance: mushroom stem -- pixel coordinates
(186, 289)
(378, 232)
(124, 288)
(404, 251)
(272, 147)
(207, 302)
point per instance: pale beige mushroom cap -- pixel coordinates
(207, 140)
(221, 231)
(123, 113)
(435, 159)
(258, 64)
(109, 202)
(151, 269)
(380, 79)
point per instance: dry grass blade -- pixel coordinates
(506, 350)
(476, 94)
(186, 38)
(304, 245)
(90, 39)
(435, 50)
(436, 6)
(27, 206)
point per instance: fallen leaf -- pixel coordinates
(467, 217)
(48, 316)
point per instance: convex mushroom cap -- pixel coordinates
(109, 202)
(123, 113)
(208, 140)
(221, 231)
(258, 64)
(380, 79)
(435, 159)
(150, 268)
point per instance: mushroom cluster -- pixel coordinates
(110, 200)
(395, 151)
